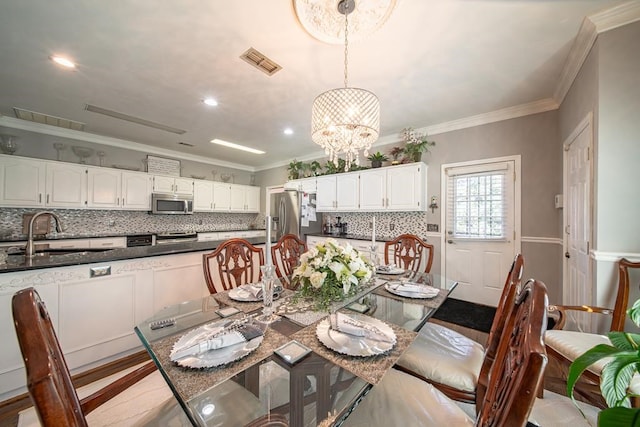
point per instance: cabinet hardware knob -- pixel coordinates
(567, 255)
(47, 198)
(39, 197)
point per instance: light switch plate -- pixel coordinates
(432, 227)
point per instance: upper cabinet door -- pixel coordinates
(23, 181)
(221, 196)
(104, 188)
(405, 187)
(238, 195)
(184, 186)
(326, 196)
(163, 184)
(136, 191)
(373, 189)
(347, 192)
(253, 199)
(202, 196)
(66, 186)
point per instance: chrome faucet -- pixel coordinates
(29, 250)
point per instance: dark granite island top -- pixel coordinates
(19, 263)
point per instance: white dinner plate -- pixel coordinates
(352, 345)
(217, 357)
(429, 291)
(242, 294)
(392, 271)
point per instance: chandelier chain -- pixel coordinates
(346, 47)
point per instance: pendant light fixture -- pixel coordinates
(345, 120)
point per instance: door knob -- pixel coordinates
(450, 242)
(567, 255)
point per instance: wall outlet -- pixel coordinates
(432, 227)
(392, 227)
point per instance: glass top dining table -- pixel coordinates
(268, 383)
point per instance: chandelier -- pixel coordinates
(345, 120)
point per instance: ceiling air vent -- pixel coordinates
(186, 144)
(46, 119)
(132, 119)
(260, 61)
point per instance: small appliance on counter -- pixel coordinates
(140, 240)
(176, 237)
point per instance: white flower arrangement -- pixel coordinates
(329, 272)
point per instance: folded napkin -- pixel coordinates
(348, 325)
(223, 339)
(255, 289)
(414, 288)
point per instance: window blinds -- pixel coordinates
(478, 202)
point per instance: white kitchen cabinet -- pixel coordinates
(208, 236)
(68, 243)
(66, 185)
(136, 191)
(337, 192)
(171, 184)
(221, 196)
(105, 187)
(305, 185)
(202, 196)
(245, 198)
(394, 188)
(406, 187)
(22, 181)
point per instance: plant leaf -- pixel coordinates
(634, 312)
(585, 360)
(627, 417)
(624, 340)
(615, 378)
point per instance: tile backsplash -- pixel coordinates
(129, 222)
(388, 224)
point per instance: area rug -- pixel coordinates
(467, 314)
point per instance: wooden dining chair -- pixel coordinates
(235, 262)
(409, 252)
(48, 379)
(564, 346)
(514, 378)
(459, 366)
(286, 256)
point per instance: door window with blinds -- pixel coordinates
(479, 200)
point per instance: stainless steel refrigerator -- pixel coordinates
(294, 212)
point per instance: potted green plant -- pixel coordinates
(294, 169)
(415, 144)
(376, 159)
(616, 376)
(316, 168)
(396, 152)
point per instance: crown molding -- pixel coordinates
(617, 16)
(592, 25)
(13, 123)
(521, 110)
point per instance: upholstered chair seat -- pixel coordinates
(445, 356)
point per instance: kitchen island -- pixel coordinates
(95, 300)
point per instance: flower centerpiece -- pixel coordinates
(329, 272)
(415, 144)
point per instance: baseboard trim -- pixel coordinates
(10, 408)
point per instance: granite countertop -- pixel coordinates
(351, 236)
(20, 263)
(59, 236)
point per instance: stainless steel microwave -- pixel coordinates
(171, 204)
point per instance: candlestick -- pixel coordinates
(267, 258)
(373, 231)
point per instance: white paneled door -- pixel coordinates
(482, 226)
(577, 288)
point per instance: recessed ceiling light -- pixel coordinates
(210, 101)
(288, 131)
(60, 60)
(236, 146)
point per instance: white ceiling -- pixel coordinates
(432, 62)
